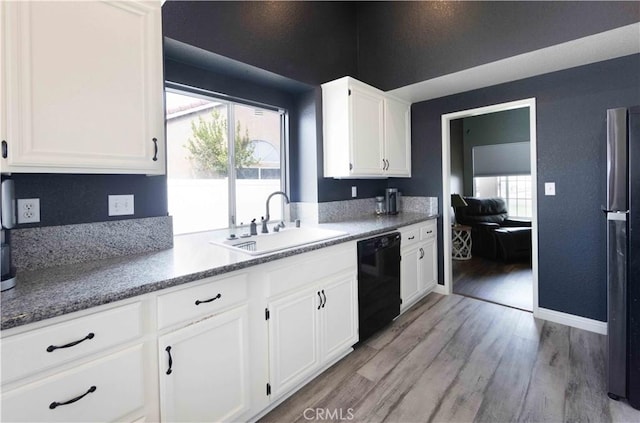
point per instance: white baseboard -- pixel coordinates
(571, 320)
(440, 289)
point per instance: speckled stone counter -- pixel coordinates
(54, 291)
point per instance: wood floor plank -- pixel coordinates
(544, 399)
(449, 347)
(387, 335)
(314, 392)
(338, 404)
(464, 396)
(586, 399)
(506, 391)
(510, 284)
(412, 335)
(440, 394)
(539, 372)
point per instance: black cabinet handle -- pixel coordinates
(430, 232)
(71, 401)
(324, 302)
(320, 303)
(421, 253)
(198, 302)
(155, 149)
(5, 149)
(168, 350)
(411, 237)
(52, 348)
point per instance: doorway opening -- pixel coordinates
(490, 202)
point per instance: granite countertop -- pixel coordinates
(54, 291)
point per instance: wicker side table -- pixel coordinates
(461, 242)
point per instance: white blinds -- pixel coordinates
(502, 159)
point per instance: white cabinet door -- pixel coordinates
(397, 139)
(410, 276)
(293, 338)
(339, 316)
(429, 265)
(209, 370)
(367, 132)
(84, 87)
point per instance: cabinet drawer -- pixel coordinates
(119, 391)
(28, 353)
(428, 231)
(298, 271)
(202, 300)
(410, 236)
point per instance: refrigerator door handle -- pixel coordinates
(620, 216)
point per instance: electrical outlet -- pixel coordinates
(120, 205)
(28, 210)
(354, 191)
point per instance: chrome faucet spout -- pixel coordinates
(286, 198)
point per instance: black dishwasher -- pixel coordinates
(378, 283)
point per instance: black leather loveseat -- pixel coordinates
(493, 235)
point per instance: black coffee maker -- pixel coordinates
(8, 221)
(392, 200)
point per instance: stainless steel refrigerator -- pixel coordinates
(623, 253)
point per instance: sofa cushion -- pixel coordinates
(492, 210)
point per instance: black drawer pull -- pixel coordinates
(52, 348)
(411, 237)
(168, 350)
(198, 302)
(5, 149)
(430, 232)
(155, 149)
(71, 401)
(324, 302)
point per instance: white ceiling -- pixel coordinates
(607, 45)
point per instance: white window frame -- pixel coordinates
(229, 101)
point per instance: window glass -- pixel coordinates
(201, 148)
(258, 144)
(515, 189)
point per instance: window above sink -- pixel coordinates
(223, 160)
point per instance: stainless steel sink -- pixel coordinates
(278, 241)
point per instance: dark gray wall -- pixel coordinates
(312, 42)
(571, 133)
(457, 158)
(71, 199)
(493, 128)
(303, 153)
(400, 43)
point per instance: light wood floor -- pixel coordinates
(457, 359)
(510, 284)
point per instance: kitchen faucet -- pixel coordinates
(266, 217)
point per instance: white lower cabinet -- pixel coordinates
(293, 338)
(410, 276)
(419, 266)
(310, 327)
(106, 390)
(204, 370)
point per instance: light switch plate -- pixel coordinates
(120, 205)
(354, 191)
(549, 188)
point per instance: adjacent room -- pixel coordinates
(491, 186)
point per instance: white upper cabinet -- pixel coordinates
(397, 135)
(83, 87)
(366, 133)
